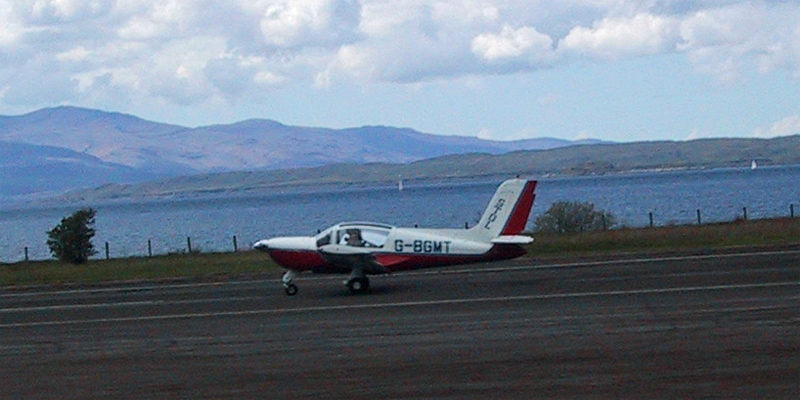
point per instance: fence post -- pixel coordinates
(651, 219)
(26, 254)
(699, 221)
(149, 248)
(235, 247)
(744, 210)
(189, 243)
(108, 255)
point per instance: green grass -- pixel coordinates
(194, 265)
(769, 232)
(773, 232)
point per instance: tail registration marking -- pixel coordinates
(493, 216)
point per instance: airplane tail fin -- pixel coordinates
(508, 211)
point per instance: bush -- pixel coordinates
(572, 217)
(71, 240)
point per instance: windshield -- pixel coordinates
(363, 236)
(324, 238)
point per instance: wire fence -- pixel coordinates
(107, 250)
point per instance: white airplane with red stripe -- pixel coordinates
(365, 248)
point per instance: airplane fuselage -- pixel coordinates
(403, 249)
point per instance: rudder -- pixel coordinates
(508, 211)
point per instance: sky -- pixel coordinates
(619, 70)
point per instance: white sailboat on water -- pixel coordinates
(753, 165)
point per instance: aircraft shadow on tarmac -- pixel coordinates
(379, 289)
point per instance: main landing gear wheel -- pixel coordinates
(291, 289)
(358, 285)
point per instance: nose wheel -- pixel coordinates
(291, 289)
(288, 286)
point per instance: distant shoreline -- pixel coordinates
(72, 199)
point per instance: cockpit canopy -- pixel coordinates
(356, 234)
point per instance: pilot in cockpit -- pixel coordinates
(354, 238)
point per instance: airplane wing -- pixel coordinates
(389, 260)
(353, 258)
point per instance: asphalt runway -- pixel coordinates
(713, 326)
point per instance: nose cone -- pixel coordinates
(301, 243)
(262, 245)
(296, 253)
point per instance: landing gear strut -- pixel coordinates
(288, 286)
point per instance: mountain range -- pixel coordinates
(564, 161)
(56, 149)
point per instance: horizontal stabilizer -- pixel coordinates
(512, 239)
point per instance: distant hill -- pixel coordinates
(573, 160)
(151, 149)
(111, 137)
(28, 168)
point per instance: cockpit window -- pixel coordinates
(324, 240)
(352, 237)
(375, 237)
(363, 236)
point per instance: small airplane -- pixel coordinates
(366, 248)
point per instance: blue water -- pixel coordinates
(211, 222)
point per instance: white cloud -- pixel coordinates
(311, 23)
(784, 127)
(726, 41)
(413, 41)
(47, 11)
(234, 76)
(611, 38)
(513, 43)
(10, 28)
(195, 51)
(73, 55)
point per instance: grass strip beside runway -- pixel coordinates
(765, 232)
(173, 266)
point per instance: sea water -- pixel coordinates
(211, 222)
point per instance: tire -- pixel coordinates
(291, 289)
(358, 285)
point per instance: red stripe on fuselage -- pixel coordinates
(522, 210)
(298, 260)
(403, 262)
(393, 262)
